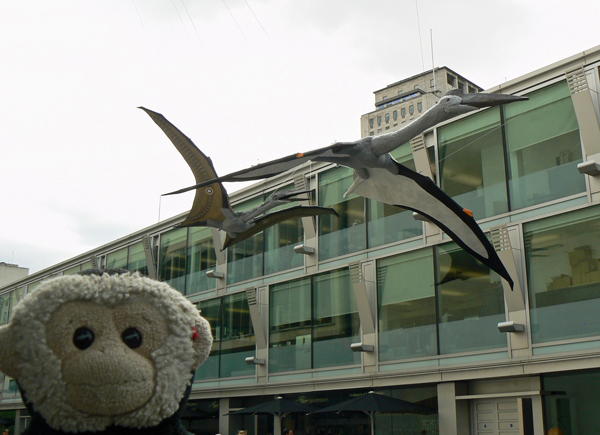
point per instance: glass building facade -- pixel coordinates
(422, 314)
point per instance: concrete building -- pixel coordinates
(11, 272)
(322, 310)
(403, 101)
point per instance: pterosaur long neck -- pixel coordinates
(386, 143)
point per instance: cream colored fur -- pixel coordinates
(39, 370)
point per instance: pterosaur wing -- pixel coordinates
(210, 200)
(274, 167)
(416, 192)
(271, 219)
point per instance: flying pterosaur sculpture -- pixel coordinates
(211, 206)
(378, 176)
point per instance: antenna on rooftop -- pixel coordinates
(432, 61)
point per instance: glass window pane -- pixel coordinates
(575, 410)
(31, 287)
(335, 319)
(211, 311)
(346, 234)
(4, 308)
(72, 270)
(290, 326)
(563, 255)
(471, 302)
(87, 265)
(117, 259)
(172, 258)
(15, 297)
(245, 259)
(389, 223)
(201, 257)
(543, 141)
(406, 305)
(237, 337)
(137, 259)
(472, 163)
(280, 240)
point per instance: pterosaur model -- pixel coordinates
(211, 206)
(378, 176)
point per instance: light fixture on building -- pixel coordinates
(212, 273)
(303, 249)
(420, 217)
(510, 327)
(590, 168)
(359, 347)
(254, 360)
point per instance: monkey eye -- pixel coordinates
(132, 337)
(83, 338)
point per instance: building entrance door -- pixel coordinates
(496, 416)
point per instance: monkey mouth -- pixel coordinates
(110, 399)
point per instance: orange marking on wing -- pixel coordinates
(467, 211)
(299, 155)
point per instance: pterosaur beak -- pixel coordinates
(489, 100)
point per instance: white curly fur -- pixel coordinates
(40, 368)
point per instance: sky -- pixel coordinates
(247, 80)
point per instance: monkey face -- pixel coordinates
(100, 350)
(106, 354)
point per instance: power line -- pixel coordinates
(419, 29)
(181, 19)
(138, 14)
(236, 23)
(259, 23)
(192, 21)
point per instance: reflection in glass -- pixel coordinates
(575, 409)
(335, 320)
(389, 223)
(280, 240)
(563, 268)
(137, 259)
(472, 163)
(4, 308)
(117, 259)
(15, 297)
(471, 302)
(234, 340)
(72, 270)
(173, 258)
(406, 304)
(200, 258)
(237, 337)
(211, 311)
(544, 147)
(346, 234)
(245, 259)
(290, 326)
(410, 424)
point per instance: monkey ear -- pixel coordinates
(9, 360)
(202, 339)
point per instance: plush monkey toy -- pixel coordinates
(104, 352)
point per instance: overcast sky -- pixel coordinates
(246, 80)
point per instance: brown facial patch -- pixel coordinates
(107, 367)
